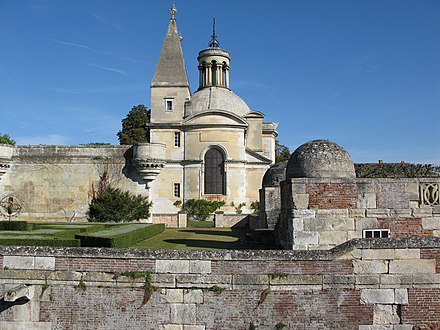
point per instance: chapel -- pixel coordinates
(217, 148)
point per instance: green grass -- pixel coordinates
(200, 224)
(198, 239)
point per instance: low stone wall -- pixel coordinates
(362, 284)
(322, 213)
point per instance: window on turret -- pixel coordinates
(169, 104)
(214, 73)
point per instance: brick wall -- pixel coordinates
(332, 195)
(362, 284)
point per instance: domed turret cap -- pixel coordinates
(320, 159)
(275, 174)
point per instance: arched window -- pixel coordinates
(215, 172)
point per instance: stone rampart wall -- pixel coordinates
(362, 284)
(322, 213)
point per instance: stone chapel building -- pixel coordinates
(217, 148)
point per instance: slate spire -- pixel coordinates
(170, 69)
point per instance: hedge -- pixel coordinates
(120, 236)
(13, 225)
(34, 241)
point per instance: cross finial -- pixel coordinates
(173, 10)
(214, 42)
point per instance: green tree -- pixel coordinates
(134, 128)
(282, 153)
(6, 139)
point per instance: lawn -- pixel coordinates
(198, 239)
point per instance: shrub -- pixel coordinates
(114, 205)
(6, 139)
(199, 209)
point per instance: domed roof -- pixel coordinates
(320, 159)
(275, 174)
(217, 98)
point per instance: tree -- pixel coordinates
(6, 139)
(282, 153)
(134, 128)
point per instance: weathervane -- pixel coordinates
(214, 42)
(173, 10)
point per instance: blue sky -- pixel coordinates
(362, 73)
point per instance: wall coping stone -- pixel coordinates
(113, 253)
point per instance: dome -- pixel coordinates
(320, 159)
(274, 175)
(217, 98)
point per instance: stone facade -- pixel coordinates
(362, 284)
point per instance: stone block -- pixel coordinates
(183, 313)
(326, 223)
(403, 327)
(193, 296)
(172, 295)
(379, 213)
(377, 296)
(297, 280)
(357, 213)
(412, 266)
(385, 314)
(172, 266)
(250, 279)
(182, 220)
(339, 279)
(366, 201)
(300, 201)
(370, 267)
(305, 238)
(378, 254)
(407, 253)
(194, 327)
(424, 212)
(332, 213)
(413, 204)
(365, 223)
(297, 224)
(426, 278)
(171, 327)
(353, 234)
(396, 280)
(431, 223)
(46, 263)
(367, 279)
(304, 214)
(401, 296)
(200, 266)
(203, 281)
(376, 327)
(332, 237)
(18, 262)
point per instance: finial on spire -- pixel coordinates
(214, 42)
(173, 10)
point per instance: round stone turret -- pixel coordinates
(274, 175)
(320, 159)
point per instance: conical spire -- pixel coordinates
(170, 69)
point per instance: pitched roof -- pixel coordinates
(170, 69)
